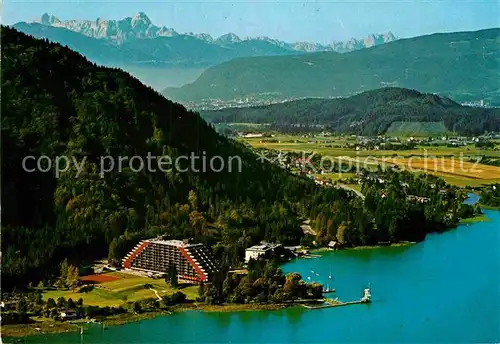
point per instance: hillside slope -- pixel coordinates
(464, 66)
(367, 113)
(56, 103)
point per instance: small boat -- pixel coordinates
(328, 289)
(367, 296)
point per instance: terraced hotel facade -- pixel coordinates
(194, 262)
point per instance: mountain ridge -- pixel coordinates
(368, 113)
(140, 26)
(438, 63)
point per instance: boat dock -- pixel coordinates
(311, 256)
(328, 303)
(334, 303)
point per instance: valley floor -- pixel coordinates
(460, 166)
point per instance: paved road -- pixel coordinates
(348, 188)
(156, 293)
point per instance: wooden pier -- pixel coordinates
(328, 303)
(332, 303)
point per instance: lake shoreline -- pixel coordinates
(55, 327)
(362, 247)
(488, 207)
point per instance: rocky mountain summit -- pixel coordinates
(141, 27)
(118, 31)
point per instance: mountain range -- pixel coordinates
(141, 27)
(462, 65)
(371, 113)
(162, 57)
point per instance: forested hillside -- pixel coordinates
(463, 66)
(56, 103)
(367, 113)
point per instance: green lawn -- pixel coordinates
(480, 218)
(128, 288)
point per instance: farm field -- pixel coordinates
(450, 167)
(456, 165)
(115, 288)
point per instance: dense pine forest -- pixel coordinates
(56, 103)
(368, 113)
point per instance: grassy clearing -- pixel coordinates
(476, 219)
(423, 129)
(484, 206)
(127, 288)
(367, 247)
(45, 326)
(228, 307)
(334, 176)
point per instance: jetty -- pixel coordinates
(328, 289)
(329, 303)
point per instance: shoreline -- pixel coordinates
(475, 219)
(362, 247)
(488, 207)
(371, 247)
(55, 327)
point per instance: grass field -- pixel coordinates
(445, 162)
(476, 219)
(124, 288)
(423, 129)
(460, 173)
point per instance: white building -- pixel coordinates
(264, 250)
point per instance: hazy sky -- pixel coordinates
(319, 21)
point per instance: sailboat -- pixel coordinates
(367, 296)
(327, 289)
(312, 275)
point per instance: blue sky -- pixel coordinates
(318, 21)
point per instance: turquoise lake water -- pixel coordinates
(445, 289)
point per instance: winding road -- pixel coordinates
(348, 188)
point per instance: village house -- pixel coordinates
(68, 314)
(334, 245)
(417, 199)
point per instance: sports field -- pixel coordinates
(115, 288)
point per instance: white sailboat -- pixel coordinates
(367, 296)
(327, 289)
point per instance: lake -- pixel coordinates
(445, 289)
